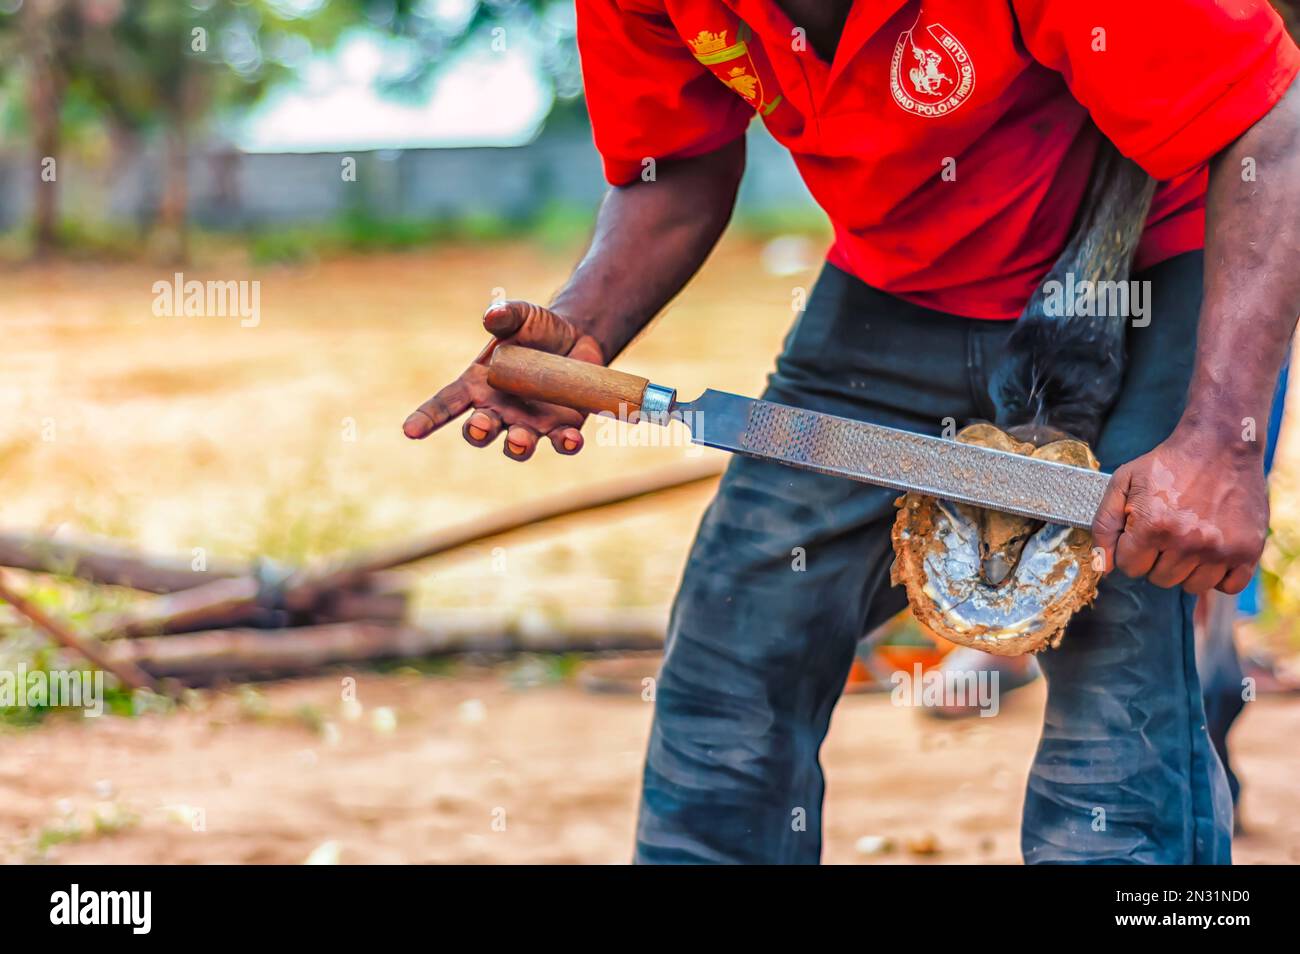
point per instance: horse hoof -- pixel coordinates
(993, 581)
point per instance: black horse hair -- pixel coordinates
(1064, 365)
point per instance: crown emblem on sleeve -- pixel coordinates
(708, 42)
(744, 83)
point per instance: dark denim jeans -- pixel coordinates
(790, 569)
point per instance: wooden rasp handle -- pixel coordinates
(539, 376)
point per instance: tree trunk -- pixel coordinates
(172, 239)
(44, 103)
(45, 211)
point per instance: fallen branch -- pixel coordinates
(280, 652)
(301, 591)
(98, 562)
(129, 674)
(238, 602)
(226, 604)
(220, 603)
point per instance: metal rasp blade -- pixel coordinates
(874, 454)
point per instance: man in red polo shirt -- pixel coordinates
(951, 144)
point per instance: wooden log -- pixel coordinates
(302, 591)
(341, 606)
(233, 652)
(220, 603)
(99, 562)
(226, 603)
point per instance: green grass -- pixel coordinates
(555, 225)
(531, 670)
(73, 602)
(360, 232)
(769, 223)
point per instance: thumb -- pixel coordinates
(533, 326)
(1111, 516)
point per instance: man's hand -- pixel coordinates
(651, 237)
(1193, 512)
(521, 323)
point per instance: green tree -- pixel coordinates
(37, 39)
(547, 25)
(164, 68)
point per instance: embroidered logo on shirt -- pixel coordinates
(930, 80)
(744, 83)
(708, 42)
(712, 50)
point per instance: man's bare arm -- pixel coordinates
(651, 237)
(1194, 512)
(1252, 275)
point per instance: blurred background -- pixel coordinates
(339, 670)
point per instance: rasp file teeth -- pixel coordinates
(908, 461)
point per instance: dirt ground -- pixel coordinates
(470, 769)
(183, 435)
(195, 434)
(285, 440)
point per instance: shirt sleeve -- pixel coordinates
(647, 94)
(1171, 82)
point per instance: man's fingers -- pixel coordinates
(539, 418)
(586, 349)
(1205, 578)
(520, 442)
(1237, 579)
(566, 440)
(482, 427)
(530, 325)
(1171, 569)
(449, 403)
(1108, 523)
(1134, 558)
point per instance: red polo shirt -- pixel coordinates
(948, 141)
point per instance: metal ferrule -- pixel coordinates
(656, 402)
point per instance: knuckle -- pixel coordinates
(435, 408)
(1108, 521)
(1241, 549)
(1234, 586)
(1241, 555)
(1201, 540)
(1253, 547)
(1145, 530)
(1127, 565)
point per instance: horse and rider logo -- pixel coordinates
(931, 75)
